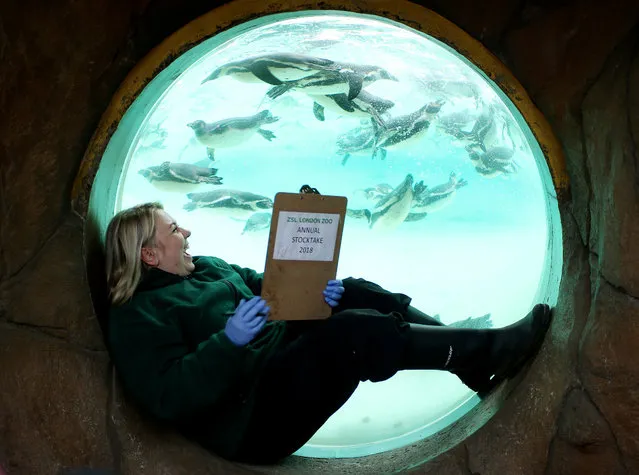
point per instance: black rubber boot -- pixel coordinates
(483, 358)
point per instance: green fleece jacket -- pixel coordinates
(169, 347)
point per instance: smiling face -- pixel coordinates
(168, 253)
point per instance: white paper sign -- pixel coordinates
(304, 236)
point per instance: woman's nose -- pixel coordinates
(185, 232)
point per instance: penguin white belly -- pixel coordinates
(291, 74)
(393, 217)
(325, 89)
(407, 142)
(247, 77)
(330, 104)
(230, 138)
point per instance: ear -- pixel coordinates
(149, 256)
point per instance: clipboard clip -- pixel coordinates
(306, 189)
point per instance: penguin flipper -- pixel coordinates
(345, 158)
(267, 134)
(382, 153)
(412, 217)
(277, 91)
(318, 111)
(342, 101)
(210, 152)
(262, 73)
(355, 84)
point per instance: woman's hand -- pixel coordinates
(247, 321)
(333, 292)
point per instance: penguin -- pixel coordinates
(349, 79)
(231, 132)
(274, 69)
(455, 89)
(234, 203)
(357, 140)
(257, 222)
(433, 199)
(494, 162)
(391, 210)
(375, 193)
(181, 173)
(153, 138)
(364, 105)
(405, 129)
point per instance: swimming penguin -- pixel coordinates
(348, 79)
(233, 131)
(181, 173)
(455, 89)
(433, 199)
(455, 121)
(358, 213)
(274, 69)
(234, 202)
(391, 210)
(153, 138)
(405, 129)
(485, 321)
(257, 222)
(357, 140)
(375, 193)
(364, 105)
(494, 162)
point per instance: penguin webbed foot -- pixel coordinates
(267, 134)
(345, 158)
(318, 111)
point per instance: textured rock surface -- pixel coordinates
(584, 443)
(575, 411)
(52, 404)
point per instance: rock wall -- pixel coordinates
(577, 410)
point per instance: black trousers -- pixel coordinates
(319, 367)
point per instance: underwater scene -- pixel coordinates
(446, 201)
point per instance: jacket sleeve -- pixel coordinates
(156, 365)
(252, 279)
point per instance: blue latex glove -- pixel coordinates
(247, 321)
(333, 292)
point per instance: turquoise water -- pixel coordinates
(484, 251)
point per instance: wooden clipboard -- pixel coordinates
(298, 264)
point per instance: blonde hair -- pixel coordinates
(129, 231)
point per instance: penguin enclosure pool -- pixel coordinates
(450, 197)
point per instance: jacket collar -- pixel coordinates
(155, 278)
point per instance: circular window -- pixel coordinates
(450, 199)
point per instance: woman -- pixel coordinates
(192, 343)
